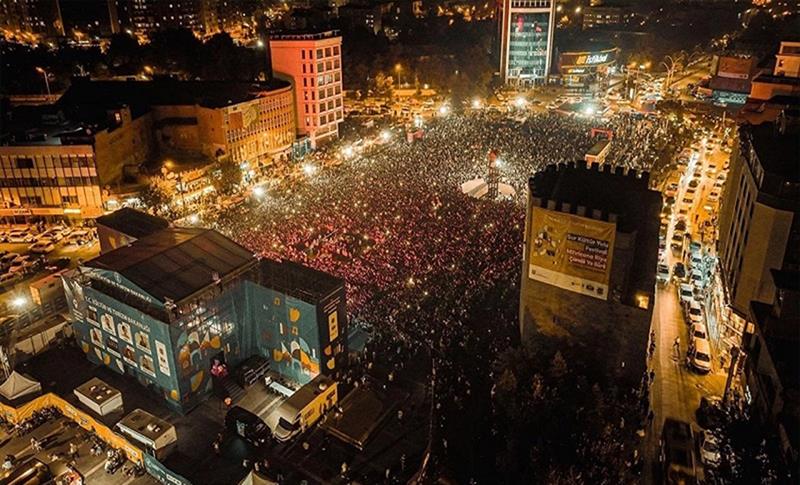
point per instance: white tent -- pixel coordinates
(17, 386)
(254, 478)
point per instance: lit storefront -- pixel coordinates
(586, 72)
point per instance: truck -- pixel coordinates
(303, 408)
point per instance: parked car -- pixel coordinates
(58, 264)
(21, 264)
(685, 292)
(8, 258)
(662, 274)
(79, 238)
(695, 311)
(7, 279)
(699, 331)
(43, 246)
(679, 271)
(700, 356)
(19, 236)
(676, 452)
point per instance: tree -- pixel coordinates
(383, 85)
(158, 193)
(124, 53)
(226, 177)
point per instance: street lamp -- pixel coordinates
(259, 191)
(309, 169)
(399, 69)
(18, 302)
(476, 103)
(46, 81)
(578, 9)
(385, 135)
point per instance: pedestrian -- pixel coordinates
(650, 416)
(652, 375)
(676, 345)
(73, 451)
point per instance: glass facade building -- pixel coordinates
(526, 40)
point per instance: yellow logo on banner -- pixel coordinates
(333, 325)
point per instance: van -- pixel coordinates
(700, 357)
(247, 425)
(303, 409)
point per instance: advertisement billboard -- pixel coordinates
(571, 252)
(587, 59)
(734, 67)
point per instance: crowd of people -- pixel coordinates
(418, 255)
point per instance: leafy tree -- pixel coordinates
(125, 53)
(226, 177)
(157, 195)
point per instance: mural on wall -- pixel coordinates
(294, 338)
(122, 338)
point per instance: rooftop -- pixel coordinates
(164, 92)
(176, 262)
(132, 222)
(304, 34)
(771, 79)
(777, 151)
(297, 280)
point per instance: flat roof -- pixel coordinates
(133, 222)
(302, 34)
(150, 426)
(598, 147)
(176, 262)
(97, 390)
(296, 280)
(309, 391)
(164, 92)
(777, 151)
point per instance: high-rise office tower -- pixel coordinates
(526, 40)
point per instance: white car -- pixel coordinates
(43, 246)
(695, 312)
(685, 292)
(662, 275)
(8, 258)
(709, 449)
(20, 236)
(21, 264)
(699, 331)
(700, 357)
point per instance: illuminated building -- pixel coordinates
(606, 17)
(35, 17)
(56, 162)
(586, 71)
(759, 223)
(588, 270)
(731, 75)
(166, 307)
(526, 40)
(313, 62)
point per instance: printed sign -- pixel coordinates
(161, 354)
(147, 365)
(571, 252)
(125, 332)
(96, 337)
(107, 322)
(143, 341)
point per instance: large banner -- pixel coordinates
(571, 252)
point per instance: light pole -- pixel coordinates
(399, 69)
(46, 81)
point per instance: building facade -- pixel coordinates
(172, 304)
(785, 77)
(32, 18)
(313, 63)
(526, 40)
(67, 159)
(606, 17)
(759, 227)
(586, 71)
(588, 268)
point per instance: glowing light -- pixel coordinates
(19, 301)
(386, 135)
(193, 219)
(347, 152)
(520, 102)
(260, 43)
(444, 110)
(476, 103)
(309, 169)
(578, 9)
(589, 111)
(259, 191)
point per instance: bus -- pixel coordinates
(303, 408)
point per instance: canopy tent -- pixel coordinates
(254, 478)
(18, 385)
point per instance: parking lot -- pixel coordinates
(55, 437)
(27, 255)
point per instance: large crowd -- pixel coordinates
(420, 258)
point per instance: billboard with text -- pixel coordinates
(571, 252)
